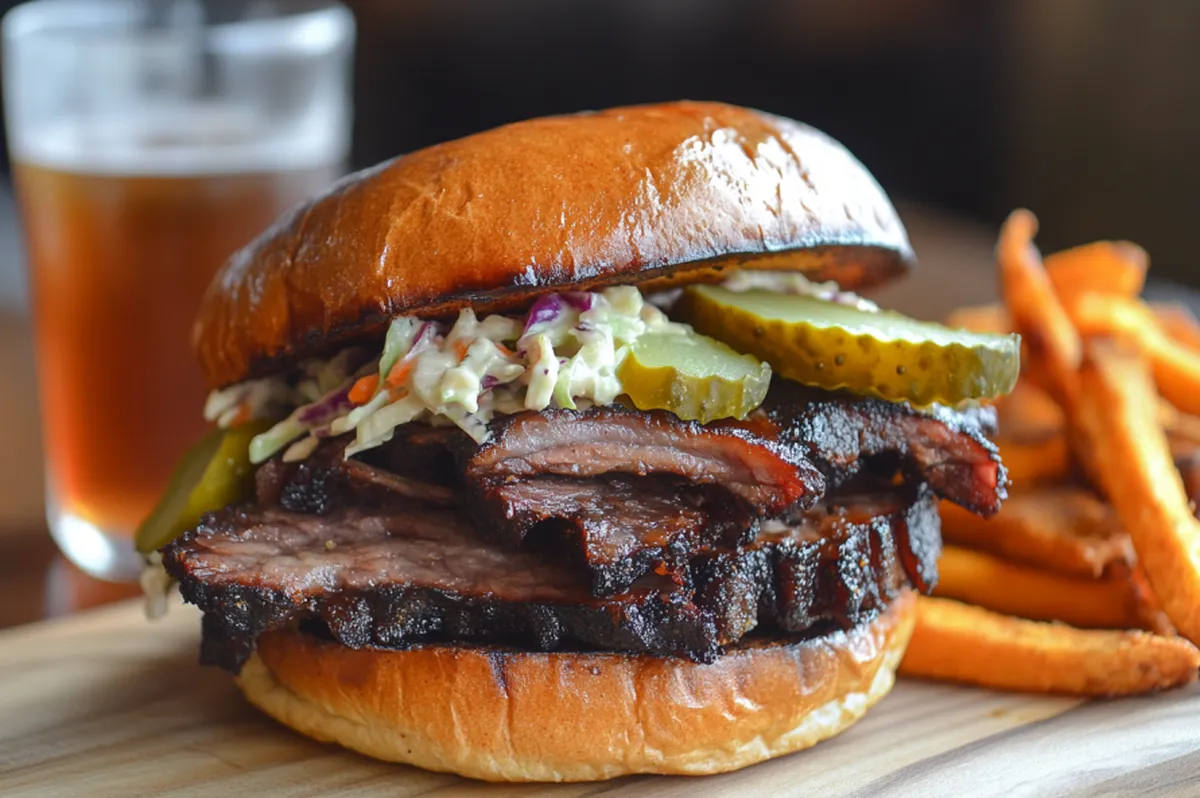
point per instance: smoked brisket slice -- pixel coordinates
(625, 492)
(839, 564)
(553, 473)
(843, 434)
(393, 580)
(768, 476)
(326, 481)
(616, 528)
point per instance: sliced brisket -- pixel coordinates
(630, 492)
(540, 472)
(768, 476)
(395, 579)
(326, 481)
(844, 434)
(839, 564)
(617, 528)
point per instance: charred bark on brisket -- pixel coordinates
(421, 575)
(392, 580)
(842, 434)
(326, 481)
(630, 492)
(838, 564)
(768, 476)
(616, 528)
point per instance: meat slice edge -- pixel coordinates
(396, 580)
(842, 434)
(839, 564)
(327, 481)
(616, 528)
(769, 476)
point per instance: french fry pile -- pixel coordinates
(1088, 580)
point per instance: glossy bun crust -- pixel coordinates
(674, 193)
(509, 716)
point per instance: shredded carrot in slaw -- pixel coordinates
(400, 373)
(364, 389)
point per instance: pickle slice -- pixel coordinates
(693, 376)
(214, 473)
(882, 354)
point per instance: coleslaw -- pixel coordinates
(565, 352)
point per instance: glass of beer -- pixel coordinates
(149, 140)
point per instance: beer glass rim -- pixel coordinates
(309, 26)
(78, 70)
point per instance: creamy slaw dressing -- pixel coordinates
(794, 283)
(564, 352)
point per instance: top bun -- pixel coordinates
(669, 194)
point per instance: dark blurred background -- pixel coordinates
(1085, 111)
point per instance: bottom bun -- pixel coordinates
(501, 715)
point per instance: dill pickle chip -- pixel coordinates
(214, 473)
(693, 376)
(882, 354)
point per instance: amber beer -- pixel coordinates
(117, 264)
(149, 140)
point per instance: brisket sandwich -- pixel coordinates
(566, 450)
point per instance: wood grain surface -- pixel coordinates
(106, 703)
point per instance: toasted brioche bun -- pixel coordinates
(671, 194)
(513, 716)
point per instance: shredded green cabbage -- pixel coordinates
(564, 353)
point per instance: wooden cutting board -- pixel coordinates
(106, 703)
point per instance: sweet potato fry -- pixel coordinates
(981, 318)
(1053, 344)
(1036, 460)
(1188, 466)
(1109, 602)
(1178, 322)
(1176, 368)
(1153, 617)
(1116, 416)
(1183, 438)
(1106, 267)
(1180, 426)
(1029, 412)
(1177, 372)
(962, 643)
(1062, 529)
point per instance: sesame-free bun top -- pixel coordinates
(673, 194)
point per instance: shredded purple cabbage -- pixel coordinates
(549, 307)
(580, 300)
(425, 335)
(544, 311)
(327, 408)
